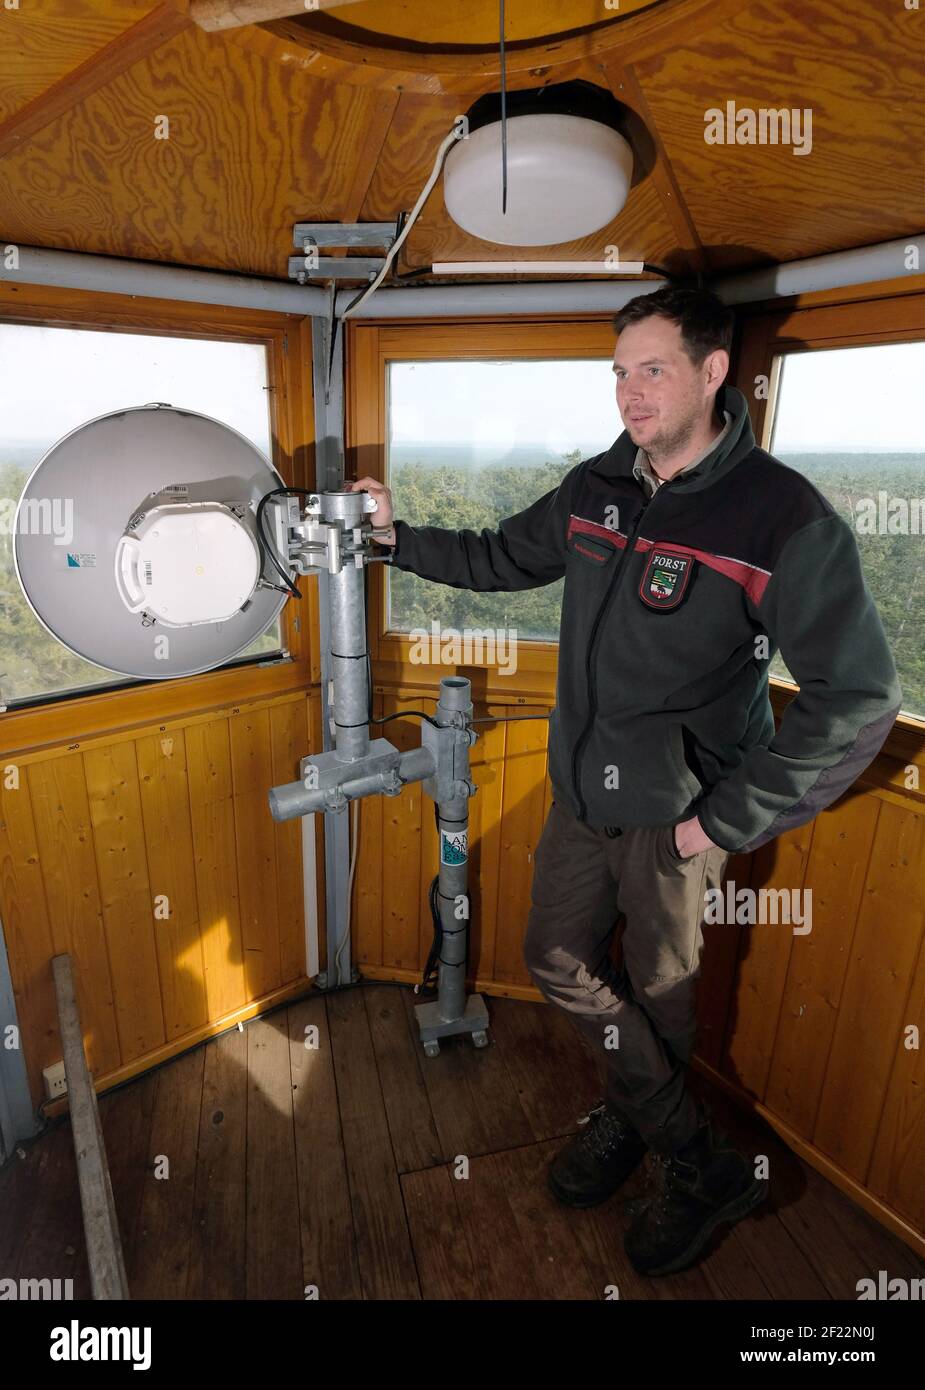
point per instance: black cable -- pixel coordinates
(503, 116)
(659, 270)
(268, 550)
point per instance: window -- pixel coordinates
(472, 442)
(850, 419)
(51, 381)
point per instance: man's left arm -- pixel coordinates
(818, 610)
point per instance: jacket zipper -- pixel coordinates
(605, 604)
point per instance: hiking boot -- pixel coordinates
(698, 1187)
(597, 1161)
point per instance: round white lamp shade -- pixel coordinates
(567, 176)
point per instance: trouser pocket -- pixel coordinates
(669, 832)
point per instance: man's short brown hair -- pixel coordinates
(706, 323)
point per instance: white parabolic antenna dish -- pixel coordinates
(140, 526)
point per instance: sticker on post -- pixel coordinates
(454, 846)
(83, 559)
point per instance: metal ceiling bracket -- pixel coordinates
(344, 234)
(312, 267)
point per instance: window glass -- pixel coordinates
(470, 443)
(850, 419)
(55, 379)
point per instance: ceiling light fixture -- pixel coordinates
(569, 168)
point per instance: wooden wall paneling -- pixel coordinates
(875, 998)
(521, 826)
(289, 744)
(835, 875)
(486, 763)
(28, 932)
(212, 815)
(315, 745)
(430, 857)
(722, 946)
(64, 840)
(255, 842)
(895, 1173)
(762, 967)
(125, 890)
(165, 804)
(400, 848)
(366, 906)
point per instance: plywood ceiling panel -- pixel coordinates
(252, 148)
(860, 68)
(40, 43)
(465, 23)
(264, 131)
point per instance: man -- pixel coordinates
(690, 556)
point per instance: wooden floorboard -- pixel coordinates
(329, 1248)
(217, 1263)
(53, 1246)
(384, 1253)
(157, 1252)
(126, 1115)
(354, 1167)
(274, 1259)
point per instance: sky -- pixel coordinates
(53, 379)
(874, 397)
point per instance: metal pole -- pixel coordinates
(453, 1011)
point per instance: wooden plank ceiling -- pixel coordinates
(337, 115)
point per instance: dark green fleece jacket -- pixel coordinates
(672, 608)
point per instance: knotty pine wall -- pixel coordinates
(96, 831)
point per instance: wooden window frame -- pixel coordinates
(815, 324)
(369, 348)
(64, 718)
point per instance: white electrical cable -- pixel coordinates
(455, 134)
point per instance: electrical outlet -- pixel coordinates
(55, 1081)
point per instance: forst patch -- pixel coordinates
(666, 578)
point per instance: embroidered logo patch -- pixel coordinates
(666, 577)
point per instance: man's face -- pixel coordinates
(662, 397)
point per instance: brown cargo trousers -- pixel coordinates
(640, 1019)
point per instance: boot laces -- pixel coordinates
(605, 1132)
(665, 1178)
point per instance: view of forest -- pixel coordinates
(454, 495)
(456, 489)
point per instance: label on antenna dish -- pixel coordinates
(454, 846)
(83, 559)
